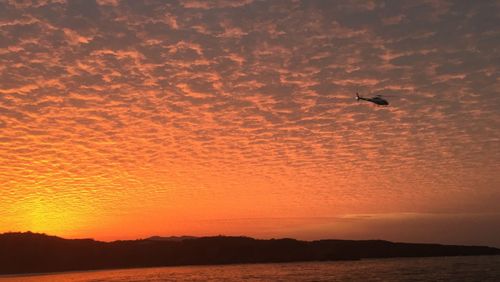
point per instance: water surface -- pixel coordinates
(474, 268)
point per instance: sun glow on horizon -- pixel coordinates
(44, 215)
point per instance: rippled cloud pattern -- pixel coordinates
(133, 118)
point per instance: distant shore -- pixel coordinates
(32, 253)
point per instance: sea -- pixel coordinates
(466, 268)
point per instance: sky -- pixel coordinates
(127, 119)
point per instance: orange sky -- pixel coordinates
(129, 119)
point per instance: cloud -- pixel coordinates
(204, 109)
(398, 227)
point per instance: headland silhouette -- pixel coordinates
(37, 253)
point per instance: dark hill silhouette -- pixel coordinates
(32, 252)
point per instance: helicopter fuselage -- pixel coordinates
(376, 100)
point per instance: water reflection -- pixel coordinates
(478, 268)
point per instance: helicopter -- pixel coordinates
(377, 99)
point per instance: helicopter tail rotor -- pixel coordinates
(357, 96)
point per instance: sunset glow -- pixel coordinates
(127, 119)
